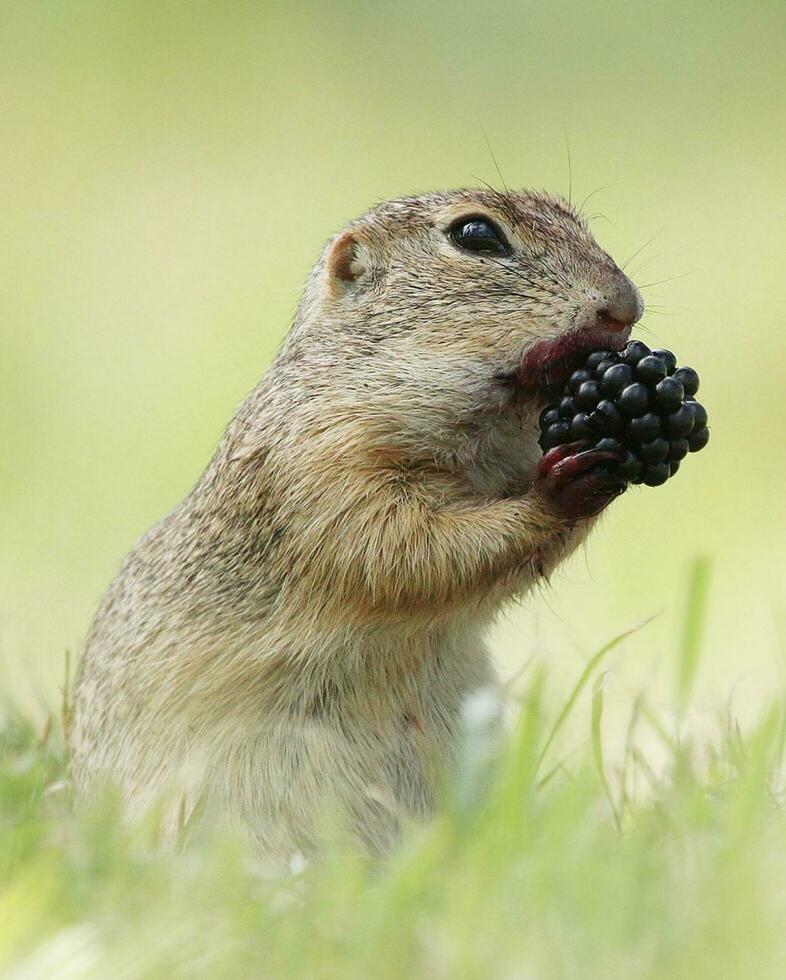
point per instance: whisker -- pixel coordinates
(640, 249)
(542, 287)
(486, 184)
(658, 282)
(513, 272)
(644, 264)
(650, 332)
(494, 159)
(592, 194)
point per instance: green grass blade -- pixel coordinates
(597, 741)
(692, 629)
(581, 683)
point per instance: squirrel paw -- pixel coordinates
(579, 482)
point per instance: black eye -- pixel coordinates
(478, 235)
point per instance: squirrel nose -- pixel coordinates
(621, 305)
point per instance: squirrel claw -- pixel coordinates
(557, 454)
(576, 481)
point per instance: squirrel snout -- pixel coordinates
(621, 305)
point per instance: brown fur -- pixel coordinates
(303, 629)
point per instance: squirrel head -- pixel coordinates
(431, 316)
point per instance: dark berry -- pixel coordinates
(668, 395)
(636, 405)
(651, 370)
(689, 380)
(579, 428)
(634, 399)
(655, 474)
(630, 468)
(699, 413)
(668, 359)
(567, 408)
(698, 440)
(605, 419)
(588, 395)
(655, 451)
(578, 378)
(645, 428)
(596, 357)
(678, 449)
(555, 435)
(680, 423)
(634, 352)
(605, 364)
(616, 378)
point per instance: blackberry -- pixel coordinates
(567, 408)
(655, 474)
(636, 401)
(689, 380)
(669, 359)
(596, 357)
(606, 365)
(588, 395)
(655, 451)
(617, 377)
(679, 423)
(645, 427)
(579, 428)
(669, 394)
(605, 419)
(698, 440)
(631, 468)
(578, 378)
(634, 352)
(678, 449)
(651, 369)
(556, 434)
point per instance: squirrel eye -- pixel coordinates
(478, 235)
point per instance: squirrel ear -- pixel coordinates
(344, 262)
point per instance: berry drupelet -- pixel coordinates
(635, 402)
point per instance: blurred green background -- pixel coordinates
(168, 172)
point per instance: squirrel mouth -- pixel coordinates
(548, 364)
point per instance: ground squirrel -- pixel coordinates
(303, 629)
